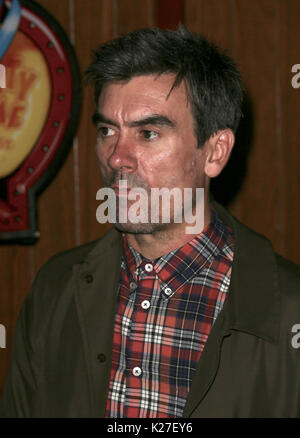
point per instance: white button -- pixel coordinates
(145, 304)
(132, 285)
(136, 371)
(148, 267)
(136, 272)
(168, 291)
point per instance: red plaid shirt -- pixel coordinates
(165, 312)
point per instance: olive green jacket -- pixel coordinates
(250, 366)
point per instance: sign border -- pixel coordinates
(30, 234)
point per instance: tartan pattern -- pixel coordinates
(166, 340)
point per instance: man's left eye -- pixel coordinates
(105, 131)
(149, 135)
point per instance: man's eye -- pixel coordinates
(149, 135)
(104, 131)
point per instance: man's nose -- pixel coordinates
(123, 155)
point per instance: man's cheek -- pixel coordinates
(102, 159)
(105, 173)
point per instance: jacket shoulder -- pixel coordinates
(53, 289)
(289, 277)
(64, 260)
(54, 276)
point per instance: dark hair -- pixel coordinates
(212, 79)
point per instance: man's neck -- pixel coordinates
(161, 242)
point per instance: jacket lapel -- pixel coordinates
(252, 306)
(97, 280)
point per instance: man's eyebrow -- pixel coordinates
(100, 118)
(152, 119)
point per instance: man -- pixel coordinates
(152, 320)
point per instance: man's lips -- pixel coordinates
(118, 187)
(123, 192)
(120, 191)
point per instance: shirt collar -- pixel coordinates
(181, 265)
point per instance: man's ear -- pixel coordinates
(219, 147)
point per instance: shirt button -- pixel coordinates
(136, 371)
(101, 357)
(168, 291)
(132, 285)
(148, 267)
(145, 304)
(89, 278)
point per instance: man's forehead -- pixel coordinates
(148, 85)
(150, 92)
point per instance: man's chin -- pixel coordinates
(140, 228)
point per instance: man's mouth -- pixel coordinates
(120, 191)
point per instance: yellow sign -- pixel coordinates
(24, 103)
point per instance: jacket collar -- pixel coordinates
(254, 294)
(252, 306)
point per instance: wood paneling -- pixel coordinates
(260, 199)
(169, 13)
(87, 172)
(262, 36)
(134, 14)
(56, 205)
(210, 18)
(289, 54)
(15, 279)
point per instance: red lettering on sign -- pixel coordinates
(26, 82)
(16, 118)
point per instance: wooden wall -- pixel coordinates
(262, 183)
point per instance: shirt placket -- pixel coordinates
(136, 370)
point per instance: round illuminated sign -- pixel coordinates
(39, 111)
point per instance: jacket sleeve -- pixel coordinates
(19, 395)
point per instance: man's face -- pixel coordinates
(146, 136)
